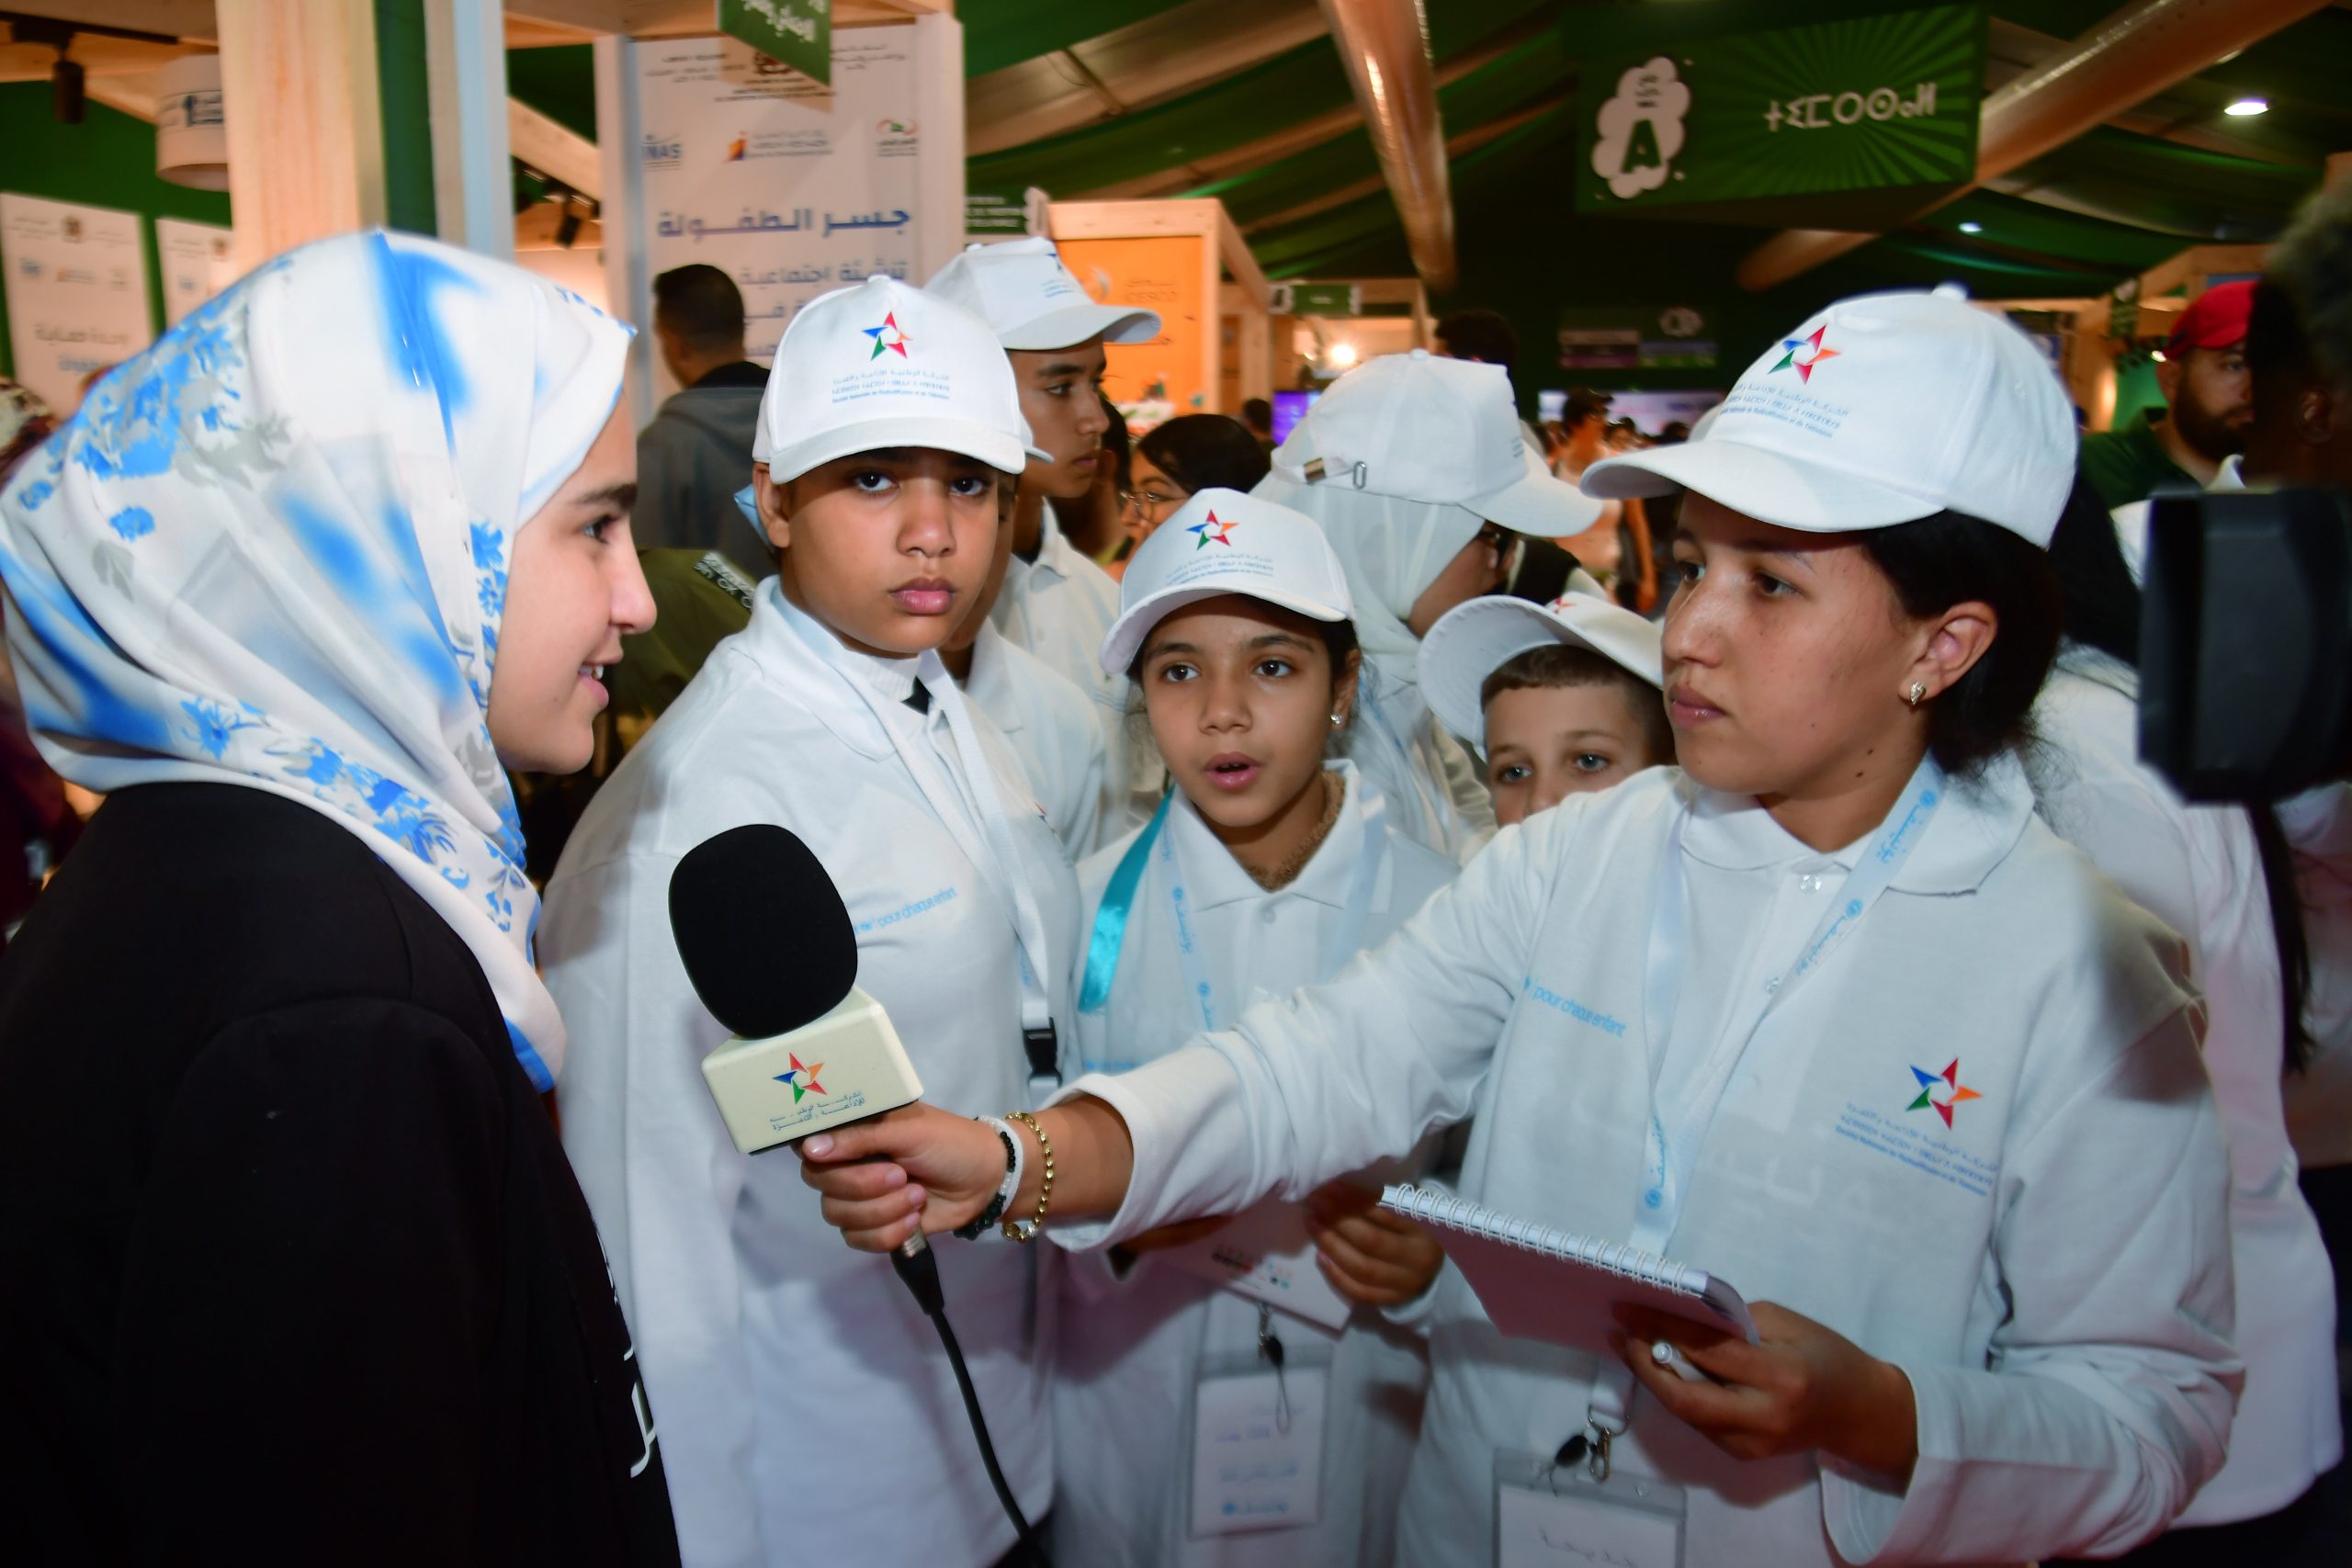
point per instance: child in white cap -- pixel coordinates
(1827, 1013)
(1267, 865)
(805, 1406)
(1556, 699)
(1056, 603)
(1415, 469)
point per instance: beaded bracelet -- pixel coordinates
(989, 1216)
(1012, 1228)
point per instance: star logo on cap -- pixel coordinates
(886, 335)
(1212, 532)
(1806, 353)
(1949, 1081)
(802, 1080)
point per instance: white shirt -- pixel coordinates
(1060, 607)
(1051, 726)
(2051, 1271)
(1132, 1346)
(2196, 868)
(2318, 824)
(804, 1407)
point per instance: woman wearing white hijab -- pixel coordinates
(1414, 466)
(296, 1262)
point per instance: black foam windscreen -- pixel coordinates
(762, 930)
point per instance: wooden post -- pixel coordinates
(306, 130)
(473, 181)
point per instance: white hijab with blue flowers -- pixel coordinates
(272, 551)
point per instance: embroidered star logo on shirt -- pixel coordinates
(802, 1080)
(1212, 532)
(1805, 353)
(1949, 1080)
(886, 335)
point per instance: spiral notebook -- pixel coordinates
(1540, 1283)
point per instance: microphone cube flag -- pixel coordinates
(843, 1067)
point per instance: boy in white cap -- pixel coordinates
(1056, 603)
(1559, 699)
(1415, 469)
(805, 1407)
(1827, 1011)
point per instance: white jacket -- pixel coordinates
(2051, 1271)
(805, 1408)
(1132, 1344)
(2197, 869)
(1052, 728)
(1058, 607)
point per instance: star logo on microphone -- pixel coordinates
(1805, 353)
(1212, 532)
(802, 1079)
(886, 335)
(1946, 1082)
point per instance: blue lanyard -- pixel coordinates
(1682, 1115)
(1110, 917)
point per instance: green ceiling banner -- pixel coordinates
(797, 32)
(1317, 299)
(1635, 337)
(1836, 122)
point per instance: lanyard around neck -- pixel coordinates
(1682, 1114)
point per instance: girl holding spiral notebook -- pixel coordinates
(1826, 1012)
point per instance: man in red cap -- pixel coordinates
(2208, 392)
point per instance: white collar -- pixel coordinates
(1055, 552)
(1217, 878)
(989, 683)
(2231, 475)
(805, 658)
(1979, 822)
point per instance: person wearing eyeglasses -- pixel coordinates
(1172, 461)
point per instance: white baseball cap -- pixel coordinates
(1422, 427)
(1882, 409)
(882, 364)
(1222, 542)
(1023, 291)
(1472, 641)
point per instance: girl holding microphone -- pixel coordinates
(1266, 867)
(1827, 1013)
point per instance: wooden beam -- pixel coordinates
(1234, 252)
(306, 125)
(553, 149)
(190, 19)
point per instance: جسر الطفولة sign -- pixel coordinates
(797, 32)
(1829, 123)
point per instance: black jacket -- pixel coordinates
(292, 1269)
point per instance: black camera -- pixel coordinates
(2245, 643)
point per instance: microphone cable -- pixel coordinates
(920, 1268)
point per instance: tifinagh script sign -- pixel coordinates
(1800, 127)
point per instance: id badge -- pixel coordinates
(1548, 1515)
(1258, 1443)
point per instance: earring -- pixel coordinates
(1338, 719)
(1919, 690)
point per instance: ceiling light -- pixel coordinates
(2157, 355)
(1971, 226)
(2246, 106)
(1343, 355)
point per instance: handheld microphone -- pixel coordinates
(767, 945)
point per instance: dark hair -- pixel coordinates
(702, 305)
(1558, 665)
(1258, 414)
(2102, 611)
(2310, 269)
(1583, 403)
(1205, 451)
(1483, 335)
(1115, 439)
(1949, 559)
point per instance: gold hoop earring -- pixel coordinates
(1918, 693)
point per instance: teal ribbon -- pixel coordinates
(1111, 918)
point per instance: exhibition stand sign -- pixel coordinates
(198, 260)
(76, 290)
(791, 187)
(1834, 124)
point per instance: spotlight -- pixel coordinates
(1343, 355)
(65, 90)
(566, 230)
(2246, 107)
(2157, 355)
(1971, 226)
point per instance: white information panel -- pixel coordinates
(76, 292)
